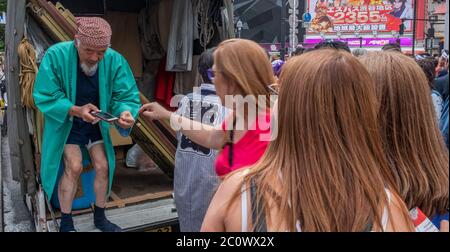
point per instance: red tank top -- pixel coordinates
(248, 150)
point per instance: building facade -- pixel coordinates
(436, 28)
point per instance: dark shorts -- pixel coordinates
(85, 134)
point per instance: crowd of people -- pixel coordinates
(352, 147)
(328, 141)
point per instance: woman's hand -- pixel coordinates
(154, 111)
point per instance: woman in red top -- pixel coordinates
(242, 76)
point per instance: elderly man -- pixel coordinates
(75, 79)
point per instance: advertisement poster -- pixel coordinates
(363, 16)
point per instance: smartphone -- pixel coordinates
(105, 116)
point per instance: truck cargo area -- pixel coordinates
(139, 201)
(157, 215)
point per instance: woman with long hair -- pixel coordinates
(414, 146)
(324, 171)
(242, 76)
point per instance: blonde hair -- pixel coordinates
(327, 160)
(417, 155)
(245, 64)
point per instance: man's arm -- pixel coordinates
(48, 93)
(125, 95)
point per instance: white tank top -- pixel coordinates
(244, 210)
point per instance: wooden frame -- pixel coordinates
(20, 142)
(117, 202)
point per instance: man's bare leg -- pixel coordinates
(100, 163)
(73, 166)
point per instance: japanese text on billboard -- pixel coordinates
(350, 16)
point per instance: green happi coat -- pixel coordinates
(55, 93)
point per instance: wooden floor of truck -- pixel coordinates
(135, 194)
(129, 182)
(142, 217)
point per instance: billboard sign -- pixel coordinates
(362, 16)
(367, 42)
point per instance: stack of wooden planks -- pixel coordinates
(158, 140)
(57, 22)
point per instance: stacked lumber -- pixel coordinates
(58, 27)
(157, 140)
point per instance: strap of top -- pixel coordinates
(244, 210)
(258, 214)
(385, 218)
(257, 210)
(261, 224)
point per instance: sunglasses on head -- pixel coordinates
(274, 89)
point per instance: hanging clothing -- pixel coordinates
(164, 85)
(147, 85)
(180, 47)
(165, 9)
(186, 81)
(55, 94)
(149, 34)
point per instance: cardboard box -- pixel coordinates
(119, 140)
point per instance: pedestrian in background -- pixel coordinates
(195, 179)
(428, 66)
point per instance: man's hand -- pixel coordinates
(126, 120)
(84, 113)
(154, 111)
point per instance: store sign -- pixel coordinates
(363, 16)
(367, 42)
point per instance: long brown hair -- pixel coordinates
(415, 148)
(327, 158)
(244, 63)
